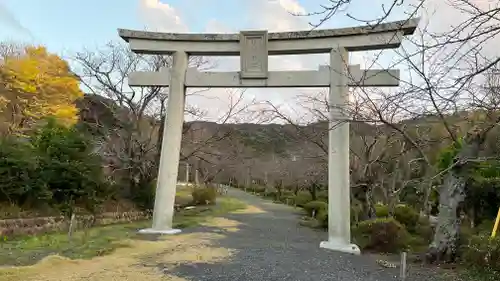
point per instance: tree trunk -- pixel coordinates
(359, 192)
(370, 204)
(444, 245)
(393, 201)
(313, 191)
(278, 188)
(427, 187)
(452, 195)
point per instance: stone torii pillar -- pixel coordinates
(254, 47)
(339, 198)
(170, 149)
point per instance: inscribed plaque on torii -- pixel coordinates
(253, 56)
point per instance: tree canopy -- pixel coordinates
(36, 84)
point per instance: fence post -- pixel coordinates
(71, 225)
(403, 266)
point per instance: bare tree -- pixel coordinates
(374, 149)
(132, 141)
(211, 147)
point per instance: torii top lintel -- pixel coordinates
(360, 38)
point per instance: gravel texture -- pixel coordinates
(273, 246)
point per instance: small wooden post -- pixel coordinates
(71, 226)
(403, 266)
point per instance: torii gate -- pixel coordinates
(254, 47)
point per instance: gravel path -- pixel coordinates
(272, 246)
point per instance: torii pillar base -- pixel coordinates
(340, 246)
(160, 232)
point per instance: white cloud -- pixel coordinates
(277, 15)
(292, 7)
(160, 16)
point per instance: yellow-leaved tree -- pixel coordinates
(37, 84)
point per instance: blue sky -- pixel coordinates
(70, 25)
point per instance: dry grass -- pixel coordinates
(223, 223)
(138, 261)
(249, 209)
(99, 241)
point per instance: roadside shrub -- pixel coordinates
(316, 207)
(302, 198)
(282, 195)
(482, 252)
(407, 216)
(322, 218)
(204, 196)
(322, 196)
(18, 173)
(486, 226)
(287, 199)
(183, 200)
(382, 235)
(69, 168)
(404, 214)
(424, 229)
(381, 211)
(464, 236)
(144, 197)
(54, 167)
(259, 189)
(356, 210)
(271, 194)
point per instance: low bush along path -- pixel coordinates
(262, 242)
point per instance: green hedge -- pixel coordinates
(301, 199)
(322, 218)
(404, 214)
(316, 207)
(204, 196)
(54, 166)
(382, 235)
(381, 211)
(407, 216)
(483, 252)
(258, 189)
